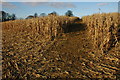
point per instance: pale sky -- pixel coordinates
(61, 0)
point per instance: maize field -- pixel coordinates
(59, 47)
(103, 29)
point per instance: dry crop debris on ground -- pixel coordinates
(54, 47)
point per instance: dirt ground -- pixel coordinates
(70, 56)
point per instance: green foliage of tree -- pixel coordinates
(13, 16)
(6, 16)
(53, 13)
(43, 14)
(69, 13)
(35, 15)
